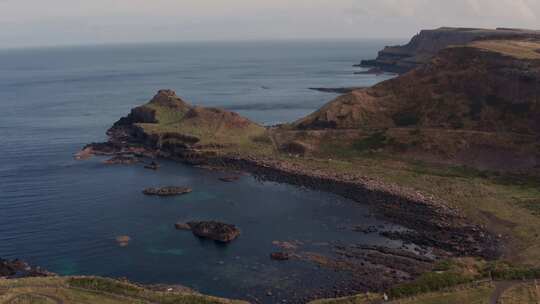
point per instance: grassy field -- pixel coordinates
(468, 295)
(526, 293)
(506, 204)
(82, 290)
(515, 48)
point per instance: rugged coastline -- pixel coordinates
(425, 45)
(434, 222)
(433, 226)
(327, 150)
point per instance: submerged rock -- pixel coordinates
(280, 256)
(123, 240)
(167, 191)
(216, 231)
(152, 166)
(229, 179)
(343, 90)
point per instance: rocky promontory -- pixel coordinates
(425, 45)
(473, 105)
(20, 269)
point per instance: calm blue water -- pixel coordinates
(65, 214)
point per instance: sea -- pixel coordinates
(64, 215)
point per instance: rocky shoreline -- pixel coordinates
(431, 222)
(432, 229)
(15, 269)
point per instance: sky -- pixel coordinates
(26, 23)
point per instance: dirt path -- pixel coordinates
(36, 294)
(500, 288)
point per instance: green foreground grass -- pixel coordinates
(83, 290)
(469, 295)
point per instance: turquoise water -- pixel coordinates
(64, 214)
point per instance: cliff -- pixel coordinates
(427, 43)
(481, 99)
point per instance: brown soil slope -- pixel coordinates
(483, 97)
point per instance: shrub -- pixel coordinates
(429, 282)
(505, 271)
(374, 141)
(104, 285)
(262, 139)
(406, 119)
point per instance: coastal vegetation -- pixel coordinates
(91, 290)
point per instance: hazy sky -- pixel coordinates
(59, 22)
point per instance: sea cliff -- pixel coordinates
(428, 43)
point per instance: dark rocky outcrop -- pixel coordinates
(343, 90)
(295, 148)
(229, 179)
(167, 191)
(280, 256)
(422, 47)
(152, 166)
(216, 231)
(20, 269)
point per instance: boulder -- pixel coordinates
(167, 191)
(182, 226)
(280, 256)
(296, 148)
(216, 231)
(123, 240)
(152, 166)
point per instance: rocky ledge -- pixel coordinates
(167, 191)
(343, 90)
(19, 269)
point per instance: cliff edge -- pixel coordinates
(426, 44)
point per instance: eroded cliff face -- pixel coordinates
(428, 43)
(477, 105)
(462, 88)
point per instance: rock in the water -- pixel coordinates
(229, 179)
(123, 240)
(343, 90)
(122, 160)
(216, 231)
(280, 256)
(152, 166)
(20, 269)
(182, 226)
(167, 191)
